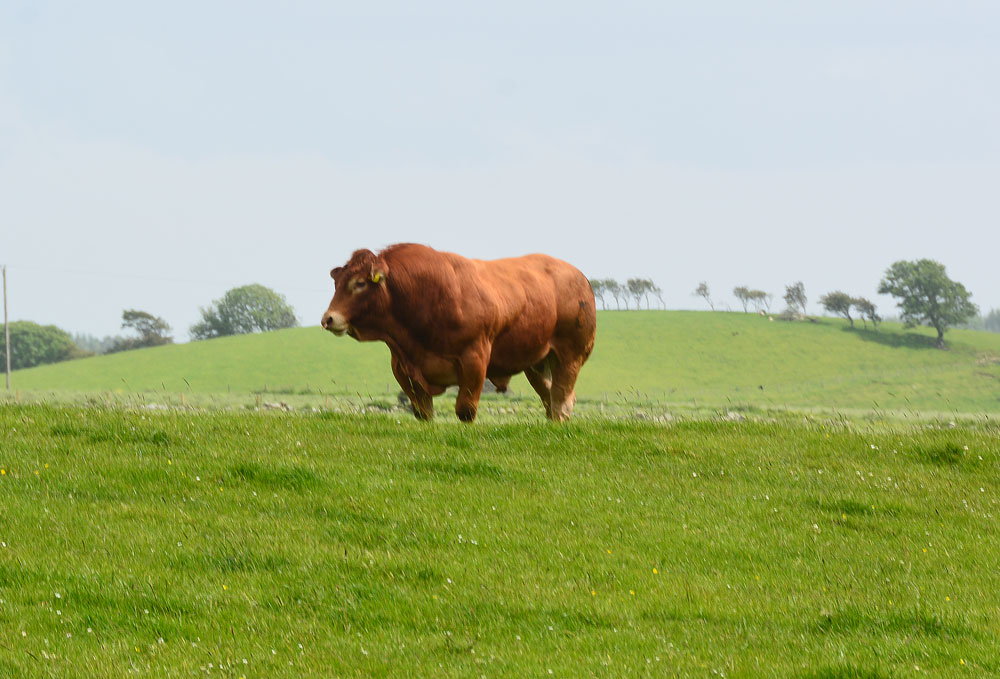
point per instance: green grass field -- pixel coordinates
(659, 359)
(737, 498)
(180, 544)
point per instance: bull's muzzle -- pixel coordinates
(334, 322)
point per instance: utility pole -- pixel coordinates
(6, 326)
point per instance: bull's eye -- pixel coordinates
(359, 285)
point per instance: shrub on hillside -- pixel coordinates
(32, 344)
(251, 308)
(151, 331)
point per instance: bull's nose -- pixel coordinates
(334, 322)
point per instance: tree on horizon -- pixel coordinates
(926, 296)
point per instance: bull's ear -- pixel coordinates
(336, 271)
(379, 271)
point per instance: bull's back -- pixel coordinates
(555, 309)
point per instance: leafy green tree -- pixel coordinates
(866, 311)
(152, 331)
(926, 296)
(839, 303)
(795, 298)
(703, 292)
(32, 344)
(243, 310)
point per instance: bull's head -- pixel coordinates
(360, 296)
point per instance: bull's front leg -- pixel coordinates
(423, 403)
(471, 376)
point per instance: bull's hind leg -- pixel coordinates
(564, 373)
(423, 403)
(540, 378)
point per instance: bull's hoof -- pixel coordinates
(422, 416)
(466, 414)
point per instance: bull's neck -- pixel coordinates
(397, 336)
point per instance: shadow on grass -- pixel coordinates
(476, 470)
(112, 433)
(906, 340)
(855, 509)
(846, 672)
(903, 623)
(284, 477)
(943, 455)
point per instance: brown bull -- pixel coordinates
(450, 320)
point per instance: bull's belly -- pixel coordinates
(510, 358)
(505, 360)
(439, 371)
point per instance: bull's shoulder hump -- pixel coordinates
(533, 261)
(409, 250)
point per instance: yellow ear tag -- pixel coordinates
(376, 277)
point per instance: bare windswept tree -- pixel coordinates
(617, 291)
(759, 299)
(742, 293)
(636, 287)
(640, 288)
(867, 311)
(658, 293)
(795, 298)
(600, 288)
(703, 292)
(840, 303)
(648, 287)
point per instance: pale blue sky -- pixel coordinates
(154, 157)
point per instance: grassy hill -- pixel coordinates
(669, 359)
